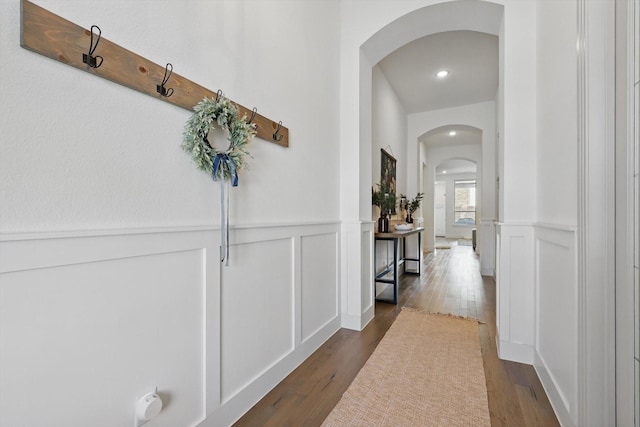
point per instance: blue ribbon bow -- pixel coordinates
(232, 168)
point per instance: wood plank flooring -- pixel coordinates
(450, 283)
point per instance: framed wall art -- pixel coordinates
(388, 172)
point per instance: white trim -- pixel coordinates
(515, 293)
(596, 210)
(65, 234)
(515, 224)
(517, 352)
(626, 121)
(488, 272)
(25, 254)
(557, 227)
(554, 395)
(557, 324)
(357, 323)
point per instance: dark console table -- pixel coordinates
(396, 237)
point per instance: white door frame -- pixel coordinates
(596, 213)
(626, 211)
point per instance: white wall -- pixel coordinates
(557, 130)
(439, 206)
(556, 347)
(109, 277)
(91, 154)
(389, 129)
(388, 132)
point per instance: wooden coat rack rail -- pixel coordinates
(50, 35)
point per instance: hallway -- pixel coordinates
(450, 283)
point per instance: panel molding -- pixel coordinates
(77, 263)
(487, 247)
(356, 276)
(515, 292)
(562, 394)
(23, 252)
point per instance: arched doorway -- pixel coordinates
(381, 30)
(471, 143)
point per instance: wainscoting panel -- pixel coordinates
(556, 317)
(486, 246)
(356, 274)
(95, 320)
(257, 322)
(269, 323)
(319, 290)
(90, 331)
(515, 292)
(367, 271)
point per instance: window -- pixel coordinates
(465, 202)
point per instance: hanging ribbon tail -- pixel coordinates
(226, 259)
(224, 200)
(223, 219)
(216, 166)
(233, 171)
(224, 251)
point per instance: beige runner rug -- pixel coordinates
(426, 371)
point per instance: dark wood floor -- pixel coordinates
(450, 283)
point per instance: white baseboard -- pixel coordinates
(514, 352)
(232, 410)
(357, 323)
(488, 272)
(558, 401)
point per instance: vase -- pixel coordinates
(383, 224)
(409, 219)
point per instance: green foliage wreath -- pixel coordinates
(219, 164)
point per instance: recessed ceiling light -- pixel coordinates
(444, 171)
(452, 133)
(442, 74)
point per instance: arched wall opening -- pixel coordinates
(437, 17)
(479, 120)
(480, 16)
(374, 32)
(435, 148)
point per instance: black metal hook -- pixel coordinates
(88, 58)
(253, 116)
(168, 69)
(275, 134)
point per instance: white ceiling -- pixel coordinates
(464, 135)
(455, 166)
(470, 57)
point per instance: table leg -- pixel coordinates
(395, 271)
(420, 253)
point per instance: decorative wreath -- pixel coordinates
(219, 164)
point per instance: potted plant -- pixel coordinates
(385, 199)
(412, 205)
